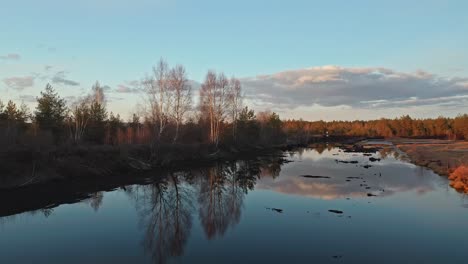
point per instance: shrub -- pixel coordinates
(459, 179)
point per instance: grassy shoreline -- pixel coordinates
(444, 157)
(441, 156)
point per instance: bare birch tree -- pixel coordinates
(78, 121)
(97, 94)
(214, 98)
(181, 95)
(235, 103)
(222, 103)
(208, 100)
(157, 91)
(86, 110)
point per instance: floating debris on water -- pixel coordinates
(347, 161)
(316, 177)
(275, 209)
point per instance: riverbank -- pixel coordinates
(445, 157)
(51, 192)
(441, 156)
(23, 167)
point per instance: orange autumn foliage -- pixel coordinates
(459, 179)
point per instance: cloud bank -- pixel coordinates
(355, 88)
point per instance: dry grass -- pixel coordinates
(442, 156)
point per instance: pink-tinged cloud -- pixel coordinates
(133, 86)
(125, 89)
(19, 83)
(10, 56)
(333, 86)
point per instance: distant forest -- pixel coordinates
(170, 117)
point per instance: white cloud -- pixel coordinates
(357, 88)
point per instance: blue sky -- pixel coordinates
(118, 41)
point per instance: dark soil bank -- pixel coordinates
(103, 170)
(24, 167)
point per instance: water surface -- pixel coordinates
(257, 211)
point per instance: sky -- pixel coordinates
(361, 59)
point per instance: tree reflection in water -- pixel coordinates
(270, 168)
(220, 198)
(166, 206)
(95, 200)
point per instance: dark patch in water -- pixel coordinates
(315, 177)
(276, 210)
(346, 162)
(335, 211)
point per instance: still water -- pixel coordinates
(257, 211)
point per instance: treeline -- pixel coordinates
(168, 116)
(405, 126)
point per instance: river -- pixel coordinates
(323, 205)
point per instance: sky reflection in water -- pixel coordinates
(222, 214)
